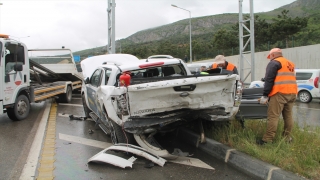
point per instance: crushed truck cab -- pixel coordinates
(161, 96)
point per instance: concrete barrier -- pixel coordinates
(242, 161)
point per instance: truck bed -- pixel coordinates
(194, 93)
(53, 65)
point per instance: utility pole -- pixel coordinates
(111, 27)
(243, 46)
(189, 29)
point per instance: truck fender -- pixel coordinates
(25, 91)
(68, 84)
(17, 92)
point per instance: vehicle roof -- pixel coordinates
(90, 64)
(123, 61)
(136, 64)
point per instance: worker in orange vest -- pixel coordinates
(220, 61)
(280, 92)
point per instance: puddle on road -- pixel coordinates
(307, 114)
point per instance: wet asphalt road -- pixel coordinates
(15, 142)
(307, 114)
(71, 158)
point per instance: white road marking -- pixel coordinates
(99, 144)
(88, 142)
(191, 162)
(68, 104)
(29, 168)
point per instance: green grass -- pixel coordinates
(302, 156)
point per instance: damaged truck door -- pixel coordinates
(92, 86)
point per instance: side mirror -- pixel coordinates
(17, 67)
(87, 80)
(262, 79)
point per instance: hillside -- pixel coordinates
(203, 29)
(207, 24)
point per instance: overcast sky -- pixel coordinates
(82, 24)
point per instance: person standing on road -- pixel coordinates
(220, 61)
(185, 59)
(279, 93)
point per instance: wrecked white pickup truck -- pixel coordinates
(162, 95)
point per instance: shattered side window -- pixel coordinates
(95, 79)
(107, 75)
(173, 70)
(162, 71)
(138, 73)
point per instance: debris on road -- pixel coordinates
(72, 117)
(178, 152)
(149, 164)
(103, 156)
(90, 131)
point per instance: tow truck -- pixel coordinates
(33, 75)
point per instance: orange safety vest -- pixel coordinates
(285, 81)
(230, 66)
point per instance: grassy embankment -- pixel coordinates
(302, 156)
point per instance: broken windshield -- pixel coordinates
(163, 71)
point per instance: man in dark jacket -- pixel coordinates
(280, 91)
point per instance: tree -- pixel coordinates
(165, 47)
(223, 40)
(284, 26)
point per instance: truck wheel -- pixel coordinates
(304, 96)
(85, 107)
(20, 109)
(66, 97)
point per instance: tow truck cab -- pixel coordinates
(14, 74)
(23, 80)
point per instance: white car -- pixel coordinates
(162, 95)
(308, 85)
(307, 81)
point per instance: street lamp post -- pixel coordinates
(189, 29)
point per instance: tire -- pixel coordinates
(304, 96)
(85, 107)
(118, 135)
(66, 97)
(20, 110)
